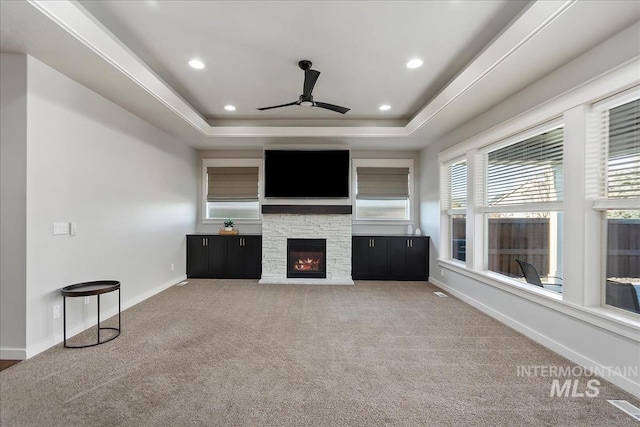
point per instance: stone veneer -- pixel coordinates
(277, 228)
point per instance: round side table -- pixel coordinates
(87, 289)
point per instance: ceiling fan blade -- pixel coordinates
(332, 107)
(278, 106)
(310, 78)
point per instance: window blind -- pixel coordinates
(621, 143)
(458, 179)
(529, 171)
(232, 183)
(454, 186)
(377, 183)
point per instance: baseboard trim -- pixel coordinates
(613, 377)
(13, 353)
(292, 281)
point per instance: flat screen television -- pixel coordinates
(310, 174)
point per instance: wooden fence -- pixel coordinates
(623, 256)
(528, 239)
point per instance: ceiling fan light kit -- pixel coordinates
(306, 99)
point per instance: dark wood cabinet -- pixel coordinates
(231, 257)
(409, 258)
(370, 257)
(243, 255)
(390, 258)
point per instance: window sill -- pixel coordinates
(382, 222)
(236, 222)
(606, 318)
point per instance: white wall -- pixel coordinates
(580, 334)
(129, 187)
(13, 204)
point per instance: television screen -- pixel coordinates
(306, 173)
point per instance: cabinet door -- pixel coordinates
(252, 257)
(360, 257)
(234, 257)
(215, 246)
(379, 257)
(417, 259)
(197, 257)
(398, 247)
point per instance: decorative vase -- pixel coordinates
(228, 229)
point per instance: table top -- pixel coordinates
(90, 288)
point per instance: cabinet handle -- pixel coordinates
(373, 242)
(207, 239)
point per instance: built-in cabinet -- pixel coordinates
(373, 257)
(390, 258)
(229, 257)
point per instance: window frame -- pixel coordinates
(600, 203)
(382, 163)
(482, 207)
(447, 212)
(235, 162)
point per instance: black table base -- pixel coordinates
(89, 289)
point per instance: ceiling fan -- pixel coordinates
(306, 99)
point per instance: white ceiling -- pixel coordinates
(476, 54)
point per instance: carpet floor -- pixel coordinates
(236, 353)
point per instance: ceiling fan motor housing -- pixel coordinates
(306, 99)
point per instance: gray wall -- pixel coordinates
(362, 228)
(13, 205)
(129, 187)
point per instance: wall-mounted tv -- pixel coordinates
(299, 174)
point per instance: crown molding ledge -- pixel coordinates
(78, 22)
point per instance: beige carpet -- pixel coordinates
(235, 353)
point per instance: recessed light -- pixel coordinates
(197, 64)
(414, 63)
(230, 108)
(384, 107)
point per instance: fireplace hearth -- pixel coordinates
(306, 258)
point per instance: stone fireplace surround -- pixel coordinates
(330, 222)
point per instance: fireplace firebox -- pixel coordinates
(306, 258)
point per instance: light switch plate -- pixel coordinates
(60, 228)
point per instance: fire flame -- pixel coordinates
(307, 264)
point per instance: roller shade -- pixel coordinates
(529, 171)
(621, 149)
(382, 183)
(232, 183)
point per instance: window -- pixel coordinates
(522, 201)
(231, 189)
(619, 191)
(383, 192)
(454, 205)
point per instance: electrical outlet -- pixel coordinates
(56, 311)
(172, 266)
(442, 272)
(87, 300)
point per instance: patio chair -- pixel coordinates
(531, 274)
(622, 295)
